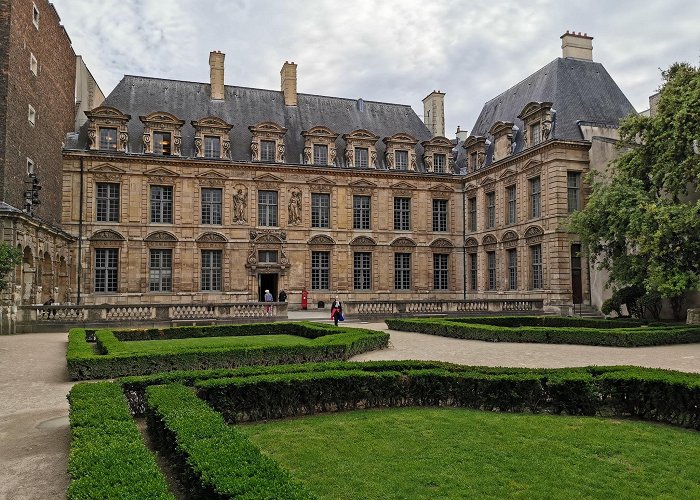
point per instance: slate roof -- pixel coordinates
(580, 90)
(243, 106)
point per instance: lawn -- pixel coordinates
(203, 343)
(457, 453)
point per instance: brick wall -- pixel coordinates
(4, 44)
(51, 93)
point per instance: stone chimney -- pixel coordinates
(461, 134)
(289, 83)
(577, 46)
(434, 113)
(216, 74)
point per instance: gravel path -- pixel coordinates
(34, 433)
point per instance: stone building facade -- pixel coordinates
(526, 162)
(37, 86)
(195, 192)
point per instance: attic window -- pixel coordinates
(267, 151)
(439, 163)
(401, 159)
(161, 143)
(108, 138)
(535, 134)
(212, 146)
(361, 157)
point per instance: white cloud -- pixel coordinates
(395, 51)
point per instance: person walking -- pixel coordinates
(268, 298)
(337, 311)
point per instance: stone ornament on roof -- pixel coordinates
(321, 137)
(107, 117)
(267, 131)
(534, 116)
(212, 126)
(360, 139)
(162, 121)
(400, 142)
(437, 146)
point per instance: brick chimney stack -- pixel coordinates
(216, 74)
(577, 45)
(288, 75)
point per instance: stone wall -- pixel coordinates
(694, 316)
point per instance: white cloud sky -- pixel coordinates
(393, 51)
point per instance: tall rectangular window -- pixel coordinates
(535, 134)
(107, 202)
(402, 271)
(512, 269)
(161, 143)
(402, 214)
(267, 208)
(535, 197)
(319, 270)
(320, 154)
(472, 214)
(162, 204)
(491, 261)
(401, 159)
(511, 193)
(573, 188)
(361, 157)
(362, 271)
(473, 272)
(439, 215)
(108, 139)
(491, 210)
(267, 150)
(211, 270)
(473, 159)
(320, 209)
(361, 212)
(440, 271)
(439, 161)
(536, 258)
(161, 270)
(212, 146)
(211, 206)
(106, 269)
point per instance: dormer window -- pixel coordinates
(108, 138)
(267, 142)
(535, 134)
(401, 159)
(107, 129)
(212, 146)
(439, 161)
(361, 157)
(211, 138)
(472, 161)
(162, 143)
(320, 154)
(319, 146)
(437, 152)
(538, 121)
(267, 151)
(475, 145)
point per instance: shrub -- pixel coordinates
(110, 358)
(213, 459)
(108, 458)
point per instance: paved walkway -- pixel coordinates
(34, 433)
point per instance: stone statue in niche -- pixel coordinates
(373, 159)
(146, 143)
(254, 150)
(428, 162)
(510, 143)
(240, 204)
(547, 126)
(332, 153)
(390, 160)
(524, 137)
(198, 147)
(295, 208)
(280, 151)
(480, 159)
(307, 155)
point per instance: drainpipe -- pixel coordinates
(80, 232)
(464, 236)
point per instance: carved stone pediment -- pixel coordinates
(364, 241)
(489, 242)
(400, 142)
(162, 117)
(362, 186)
(211, 237)
(267, 131)
(107, 235)
(108, 117)
(161, 236)
(534, 234)
(403, 189)
(471, 244)
(161, 172)
(507, 173)
(106, 168)
(321, 136)
(107, 113)
(403, 242)
(321, 239)
(363, 139)
(441, 243)
(442, 188)
(268, 178)
(320, 185)
(487, 180)
(211, 178)
(470, 186)
(510, 239)
(212, 126)
(164, 122)
(268, 236)
(532, 108)
(437, 146)
(212, 122)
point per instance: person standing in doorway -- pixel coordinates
(268, 298)
(337, 311)
(282, 297)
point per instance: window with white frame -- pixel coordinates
(106, 270)
(473, 272)
(361, 212)
(535, 137)
(267, 150)
(267, 256)
(401, 159)
(320, 154)
(440, 215)
(439, 161)
(361, 157)
(211, 271)
(162, 204)
(491, 263)
(212, 146)
(512, 269)
(30, 167)
(162, 143)
(402, 214)
(440, 271)
(320, 209)
(491, 210)
(267, 208)
(511, 194)
(402, 271)
(535, 188)
(108, 138)
(161, 270)
(211, 206)
(573, 188)
(107, 201)
(320, 270)
(536, 259)
(472, 214)
(362, 270)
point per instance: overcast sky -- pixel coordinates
(383, 50)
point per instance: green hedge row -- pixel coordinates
(108, 362)
(657, 395)
(108, 458)
(551, 321)
(301, 329)
(213, 459)
(584, 335)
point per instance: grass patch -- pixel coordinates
(186, 345)
(551, 330)
(455, 453)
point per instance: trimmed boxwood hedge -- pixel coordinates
(108, 458)
(546, 330)
(107, 359)
(213, 459)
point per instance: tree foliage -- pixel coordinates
(643, 223)
(10, 257)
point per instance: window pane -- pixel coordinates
(361, 212)
(320, 210)
(267, 150)
(361, 158)
(402, 271)
(267, 256)
(211, 270)
(573, 183)
(535, 197)
(439, 163)
(160, 277)
(536, 254)
(320, 270)
(107, 201)
(472, 214)
(512, 269)
(211, 206)
(161, 143)
(473, 269)
(108, 139)
(512, 207)
(106, 269)
(439, 215)
(212, 146)
(490, 209)
(440, 271)
(491, 260)
(401, 159)
(267, 208)
(402, 214)
(320, 154)
(162, 204)
(535, 134)
(362, 271)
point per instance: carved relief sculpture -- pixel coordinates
(240, 204)
(349, 157)
(280, 151)
(295, 208)
(254, 151)
(332, 154)
(547, 125)
(428, 159)
(227, 149)
(390, 160)
(198, 147)
(373, 159)
(147, 143)
(307, 155)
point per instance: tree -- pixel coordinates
(10, 257)
(643, 224)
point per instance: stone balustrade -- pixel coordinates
(439, 307)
